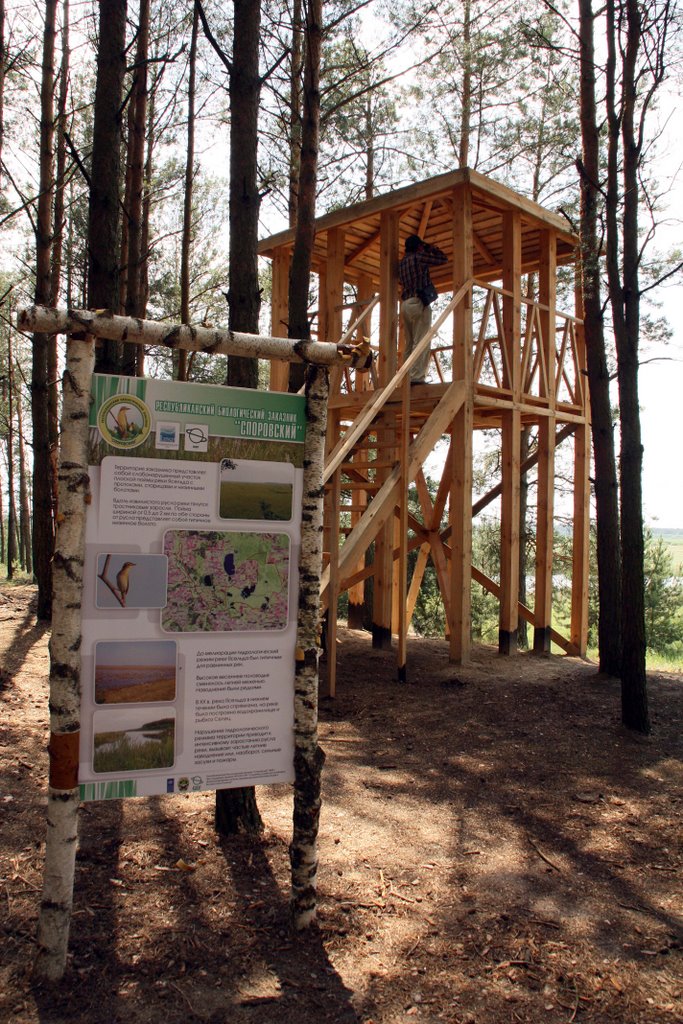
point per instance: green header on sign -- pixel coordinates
(223, 411)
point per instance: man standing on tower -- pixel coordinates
(418, 293)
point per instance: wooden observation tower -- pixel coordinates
(503, 357)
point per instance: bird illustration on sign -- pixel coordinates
(123, 580)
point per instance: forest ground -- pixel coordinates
(494, 848)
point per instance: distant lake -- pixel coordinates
(113, 677)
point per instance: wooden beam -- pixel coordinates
(401, 589)
(387, 364)
(331, 328)
(511, 437)
(543, 587)
(382, 505)
(460, 477)
(526, 613)
(580, 547)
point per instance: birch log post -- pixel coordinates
(65, 665)
(308, 756)
(192, 337)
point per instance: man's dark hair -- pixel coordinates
(413, 243)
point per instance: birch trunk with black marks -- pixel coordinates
(65, 666)
(213, 341)
(308, 756)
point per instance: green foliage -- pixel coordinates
(663, 599)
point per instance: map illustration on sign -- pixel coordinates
(223, 582)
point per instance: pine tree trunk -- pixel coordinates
(132, 356)
(3, 65)
(300, 270)
(296, 63)
(236, 809)
(466, 104)
(186, 242)
(103, 212)
(244, 297)
(308, 756)
(57, 250)
(65, 668)
(24, 502)
(43, 525)
(606, 491)
(11, 506)
(625, 303)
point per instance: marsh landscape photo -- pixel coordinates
(252, 490)
(245, 500)
(135, 672)
(134, 746)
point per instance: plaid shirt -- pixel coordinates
(413, 270)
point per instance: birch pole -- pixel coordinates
(65, 665)
(308, 756)
(212, 341)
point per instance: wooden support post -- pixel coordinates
(387, 364)
(356, 593)
(334, 497)
(460, 501)
(402, 576)
(511, 426)
(581, 542)
(543, 589)
(432, 518)
(331, 296)
(333, 285)
(279, 370)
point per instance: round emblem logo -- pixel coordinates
(124, 421)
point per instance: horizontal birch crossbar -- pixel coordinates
(192, 338)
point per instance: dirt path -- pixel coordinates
(494, 848)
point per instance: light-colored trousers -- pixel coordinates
(417, 320)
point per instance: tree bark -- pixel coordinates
(625, 304)
(65, 668)
(3, 65)
(103, 211)
(466, 103)
(132, 356)
(24, 501)
(11, 504)
(186, 242)
(300, 269)
(308, 756)
(236, 809)
(43, 525)
(606, 490)
(296, 63)
(244, 296)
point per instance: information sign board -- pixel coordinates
(190, 587)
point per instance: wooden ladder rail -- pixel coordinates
(382, 396)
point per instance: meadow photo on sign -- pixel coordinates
(245, 494)
(221, 582)
(132, 740)
(130, 580)
(139, 672)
